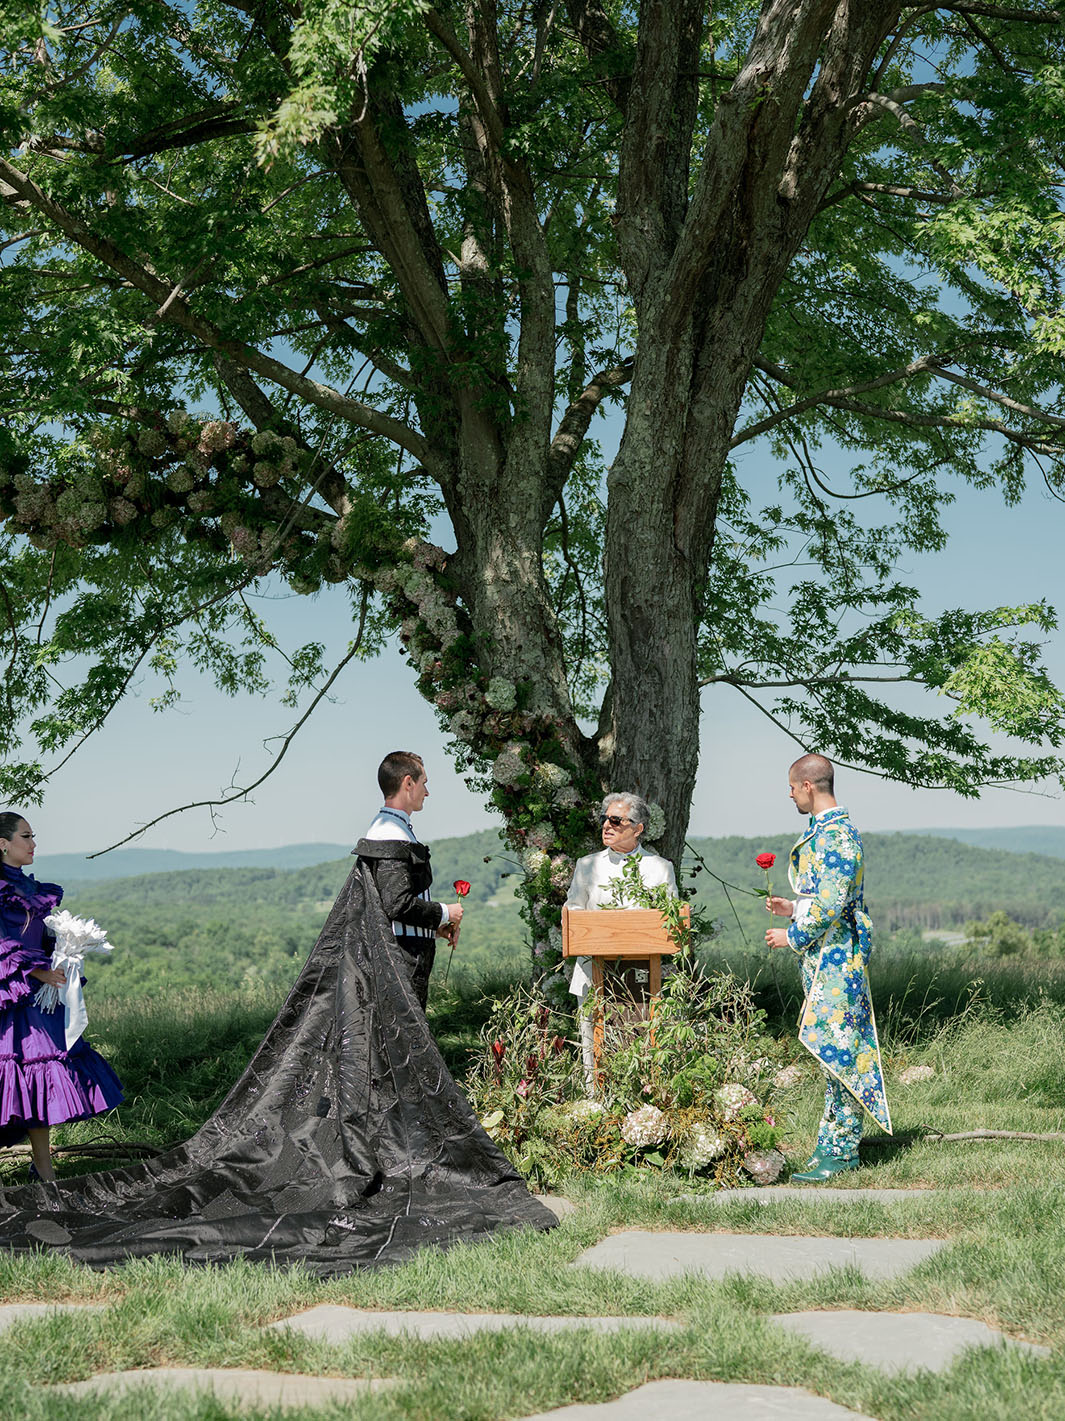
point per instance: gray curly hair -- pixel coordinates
(635, 807)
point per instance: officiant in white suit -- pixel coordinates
(624, 818)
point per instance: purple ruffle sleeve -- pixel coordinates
(17, 960)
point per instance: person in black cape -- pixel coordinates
(401, 869)
(345, 1143)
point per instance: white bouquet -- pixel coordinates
(74, 937)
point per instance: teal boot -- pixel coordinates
(822, 1167)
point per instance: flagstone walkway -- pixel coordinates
(891, 1341)
(676, 1400)
(10, 1313)
(772, 1193)
(781, 1258)
(232, 1384)
(899, 1341)
(331, 1323)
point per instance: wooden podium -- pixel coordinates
(629, 938)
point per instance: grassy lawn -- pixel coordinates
(999, 1203)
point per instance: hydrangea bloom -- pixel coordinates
(561, 872)
(787, 1077)
(733, 1098)
(764, 1166)
(509, 766)
(643, 1127)
(501, 694)
(152, 442)
(533, 860)
(583, 1109)
(915, 1073)
(656, 822)
(701, 1145)
(548, 776)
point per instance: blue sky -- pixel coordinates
(144, 763)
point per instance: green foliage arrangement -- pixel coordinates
(686, 930)
(691, 1091)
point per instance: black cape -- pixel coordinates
(345, 1143)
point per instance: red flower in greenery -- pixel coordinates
(497, 1051)
(765, 862)
(461, 887)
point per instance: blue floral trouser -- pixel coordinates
(841, 1125)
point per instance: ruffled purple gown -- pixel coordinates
(41, 1082)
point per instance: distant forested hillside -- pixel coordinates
(245, 925)
(1046, 839)
(248, 925)
(911, 881)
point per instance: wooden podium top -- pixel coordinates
(616, 932)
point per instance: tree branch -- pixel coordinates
(931, 365)
(730, 678)
(915, 194)
(996, 12)
(242, 793)
(891, 377)
(909, 125)
(178, 313)
(999, 399)
(573, 425)
(600, 41)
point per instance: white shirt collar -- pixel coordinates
(400, 814)
(615, 857)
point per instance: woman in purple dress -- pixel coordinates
(41, 1083)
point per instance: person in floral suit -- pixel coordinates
(830, 932)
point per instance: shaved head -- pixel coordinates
(815, 769)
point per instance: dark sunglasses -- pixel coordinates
(614, 819)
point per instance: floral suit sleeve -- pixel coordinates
(838, 862)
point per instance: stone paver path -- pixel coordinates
(10, 1313)
(559, 1206)
(231, 1384)
(782, 1258)
(331, 1323)
(707, 1401)
(770, 1193)
(898, 1341)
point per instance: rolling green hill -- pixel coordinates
(911, 881)
(1046, 839)
(233, 926)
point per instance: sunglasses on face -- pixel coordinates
(614, 819)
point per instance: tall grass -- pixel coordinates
(178, 1056)
(915, 992)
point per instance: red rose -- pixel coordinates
(461, 887)
(766, 861)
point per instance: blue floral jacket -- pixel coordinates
(833, 938)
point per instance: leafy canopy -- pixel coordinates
(272, 276)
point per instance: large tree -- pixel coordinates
(282, 282)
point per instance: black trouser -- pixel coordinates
(417, 955)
